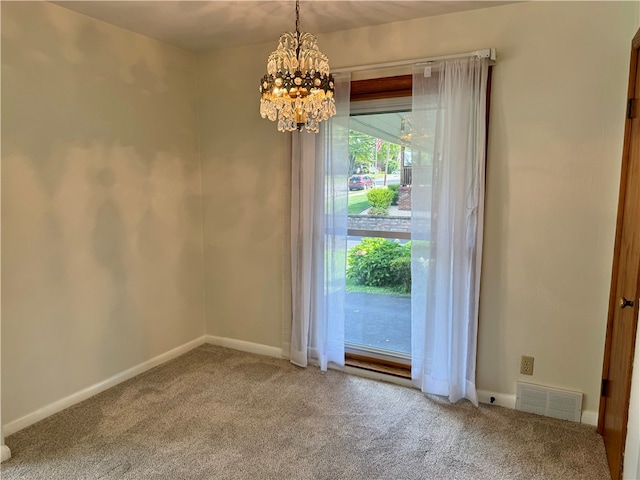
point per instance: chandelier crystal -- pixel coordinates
(298, 89)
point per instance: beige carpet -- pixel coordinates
(216, 413)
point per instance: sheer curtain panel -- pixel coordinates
(448, 156)
(319, 195)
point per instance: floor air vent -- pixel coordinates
(551, 402)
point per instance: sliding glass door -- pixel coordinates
(378, 270)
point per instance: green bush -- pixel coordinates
(379, 199)
(401, 268)
(396, 194)
(369, 262)
(378, 211)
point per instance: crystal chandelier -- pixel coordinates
(297, 90)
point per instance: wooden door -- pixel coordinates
(625, 287)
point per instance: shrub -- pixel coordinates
(379, 199)
(396, 194)
(378, 211)
(369, 262)
(401, 269)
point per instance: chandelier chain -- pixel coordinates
(298, 18)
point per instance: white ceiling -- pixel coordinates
(208, 25)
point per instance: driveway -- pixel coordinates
(380, 321)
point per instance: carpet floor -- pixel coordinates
(216, 413)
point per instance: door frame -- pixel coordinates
(613, 301)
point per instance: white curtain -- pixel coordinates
(448, 163)
(319, 195)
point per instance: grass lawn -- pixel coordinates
(358, 202)
(352, 287)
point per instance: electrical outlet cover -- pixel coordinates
(526, 365)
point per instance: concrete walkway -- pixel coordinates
(380, 321)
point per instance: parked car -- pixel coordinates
(361, 182)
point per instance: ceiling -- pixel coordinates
(386, 126)
(208, 25)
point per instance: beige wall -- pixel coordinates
(245, 178)
(101, 206)
(555, 145)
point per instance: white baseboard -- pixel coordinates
(88, 392)
(5, 453)
(589, 417)
(500, 399)
(243, 346)
(509, 401)
(484, 396)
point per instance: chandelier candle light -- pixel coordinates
(298, 89)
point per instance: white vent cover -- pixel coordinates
(551, 402)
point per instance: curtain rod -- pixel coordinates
(485, 53)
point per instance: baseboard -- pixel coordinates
(484, 396)
(243, 346)
(5, 453)
(58, 406)
(500, 399)
(589, 417)
(509, 401)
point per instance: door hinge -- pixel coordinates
(603, 387)
(631, 110)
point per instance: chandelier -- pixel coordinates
(298, 89)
